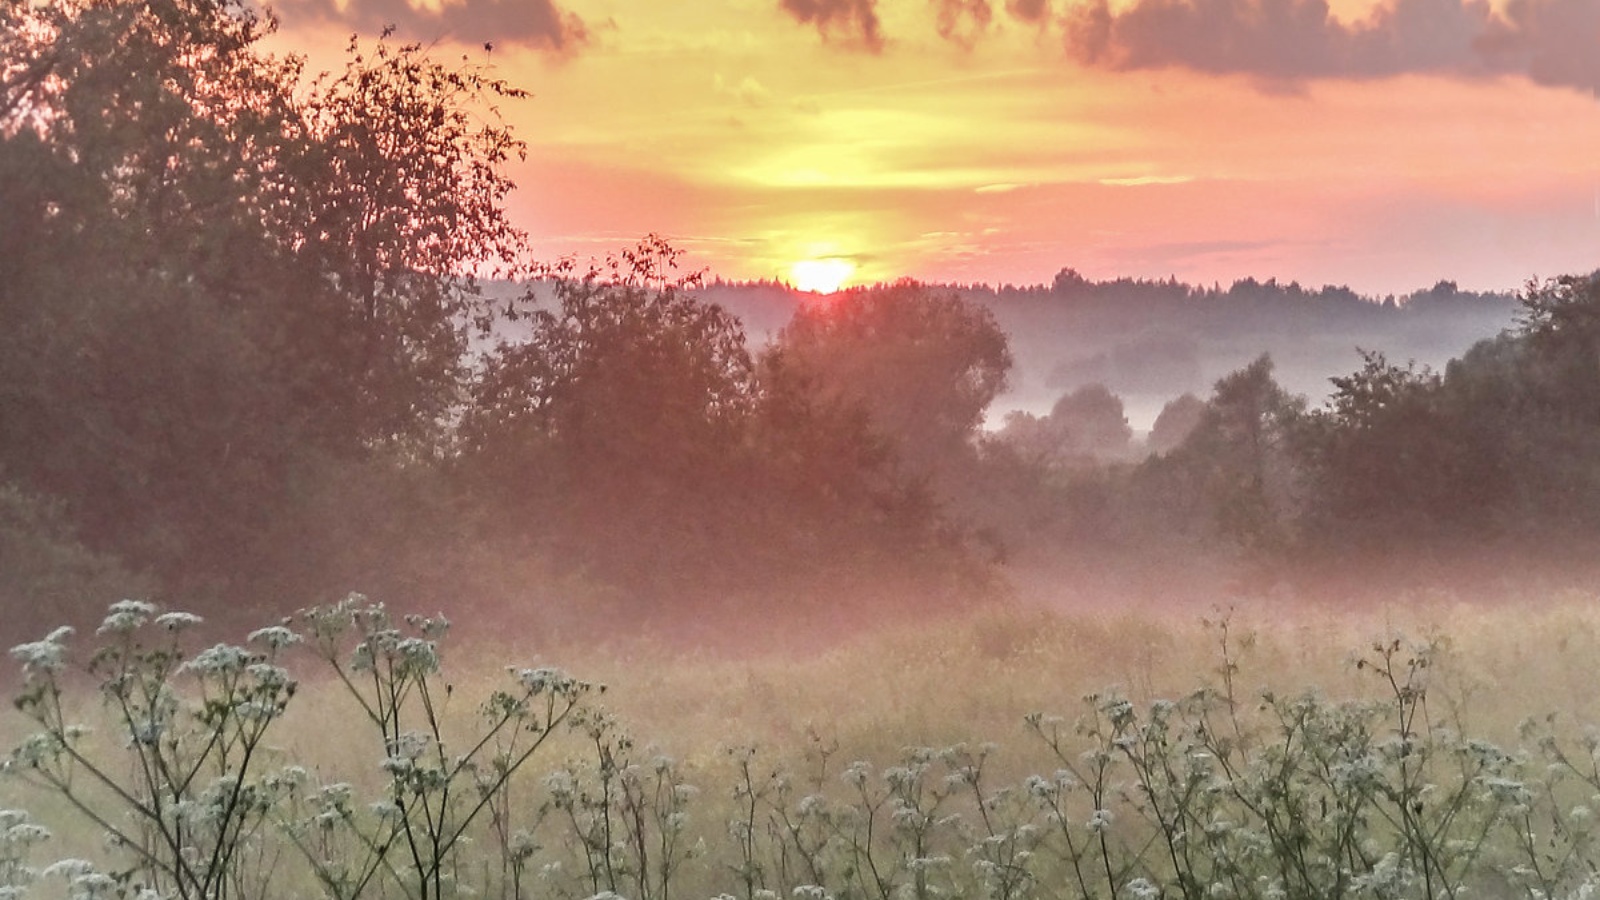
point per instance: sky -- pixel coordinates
(1379, 144)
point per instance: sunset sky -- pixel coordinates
(1381, 145)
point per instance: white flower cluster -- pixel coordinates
(432, 627)
(46, 657)
(273, 637)
(83, 881)
(18, 831)
(125, 616)
(545, 681)
(220, 660)
(407, 657)
(856, 773)
(1099, 820)
(1142, 889)
(177, 621)
(404, 752)
(1388, 878)
(35, 750)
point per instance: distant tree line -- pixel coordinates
(1405, 471)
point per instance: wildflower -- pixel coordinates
(417, 656)
(257, 711)
(126, 615)
(335, 795)
(398, 766)
(1142, 889)
(856, 773)
(1506, 790)
(274, 637)
(146, 733)
(1099, 820)
(177, 621)
(40, 657)
(93, 886)
(19, 832)
(222, 659)
(544, 680)
(269, 675)
(901, 777)
(1388, 877)
(35, 750)
(522, 844)
(561, 784)
(431, 627)
(68, 868)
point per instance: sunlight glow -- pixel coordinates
(822, 276)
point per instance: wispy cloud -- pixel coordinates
(1035, 11)
(540, 24)
(1143, 180)
(1282, 43)
(858, 19)
(1554, 42)
(962, 21)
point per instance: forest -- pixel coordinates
(269, 338)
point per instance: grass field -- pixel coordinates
(1010, 752)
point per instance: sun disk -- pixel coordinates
(822, 276)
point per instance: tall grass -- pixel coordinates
(1429, 750)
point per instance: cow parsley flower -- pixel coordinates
(1099, 820)
(44, 657)
(126, 615)
(274, 637)
(177, 621)
(68, 868)
(222, 659)
(1142, 889)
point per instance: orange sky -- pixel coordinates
(1377, 146)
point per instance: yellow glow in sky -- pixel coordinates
(966, 141)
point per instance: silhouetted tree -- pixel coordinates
(218, 279)
(1176, 421)
(1083, 427)
(924, 365)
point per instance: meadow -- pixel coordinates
(1427, 749)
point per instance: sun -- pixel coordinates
(822, 276)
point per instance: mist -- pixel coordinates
(348, 551)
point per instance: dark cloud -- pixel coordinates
(962, 21)
(1036, 12)
(859, 17)
(535, 23)
(1554, 42)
